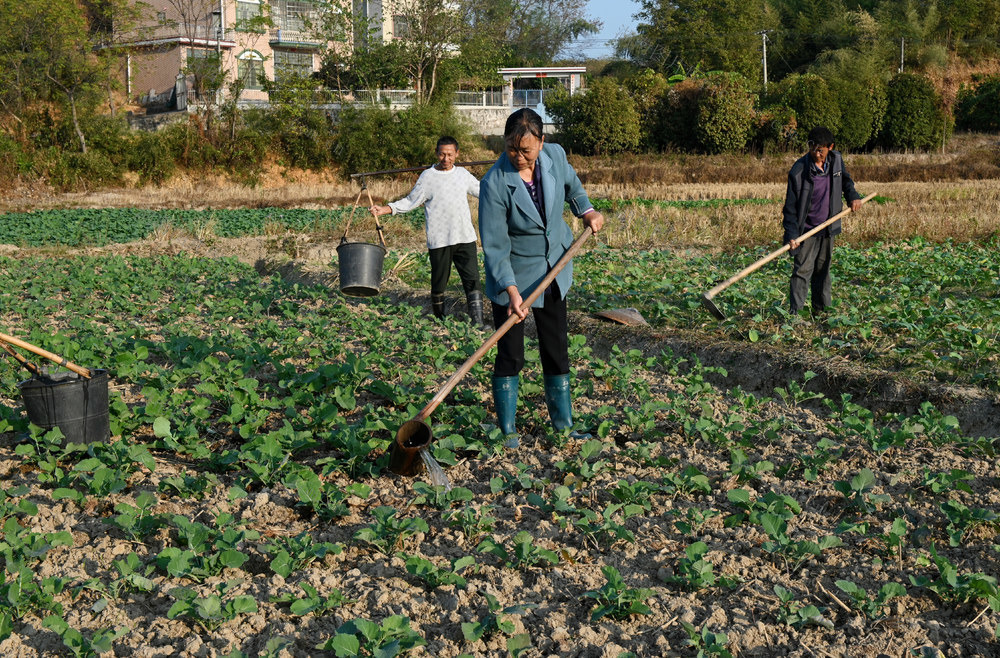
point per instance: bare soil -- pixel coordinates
(558, 616)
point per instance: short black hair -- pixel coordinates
(820, 135)
(445, 141)
(523, 122)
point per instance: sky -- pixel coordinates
(616, 15)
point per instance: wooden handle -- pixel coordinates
(774, 254)
(378, 227)
(17, 342)
(504, 328)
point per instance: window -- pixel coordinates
(250, 68)
(288, 63)
(246, 12)
(297, 14)
(400, 26)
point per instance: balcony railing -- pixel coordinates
(298, 37)
(491, 99)
(479, 99)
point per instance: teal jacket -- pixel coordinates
(518, 247)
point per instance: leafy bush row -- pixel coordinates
(722, 113)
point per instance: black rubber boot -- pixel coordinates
(437, 304)
(474, 300)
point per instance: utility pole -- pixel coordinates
(902, 40)
(763, 36)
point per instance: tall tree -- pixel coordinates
(46, 54)
(710, 34)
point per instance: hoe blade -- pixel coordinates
(710, 306)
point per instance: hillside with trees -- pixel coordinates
(882, 75)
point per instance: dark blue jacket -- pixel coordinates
(800, 189)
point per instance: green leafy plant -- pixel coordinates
(313, 601)
(438, 496)
(294, 553)
(522, 554)
(436, 576)
(857, 492)
(137, 521)
(742, 470)
(694, 572)
(205, 551)
(473, 522)
(796, 615)
(773, 503)
(79, 646)
(707, 642)
(871, 607)
(616, 600)
(388, 531)
(587, 464)
(688, 482)
(494, 621)
(361, 637)
(962, 520)
(213, 610)
(793, 553)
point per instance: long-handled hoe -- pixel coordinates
(706, 297)
(415, 435)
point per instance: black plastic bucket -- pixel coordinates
(77, 406)
(360, 268)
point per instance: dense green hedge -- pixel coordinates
(978, 107)
(915, 118)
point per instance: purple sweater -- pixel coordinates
(819, 202)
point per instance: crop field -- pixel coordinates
(243, 506)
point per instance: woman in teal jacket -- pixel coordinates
(524, 234)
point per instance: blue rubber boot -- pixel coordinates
(505, 402)
(557, 399)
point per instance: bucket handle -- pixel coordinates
(29, 366)
(354, 208)
(17, 342)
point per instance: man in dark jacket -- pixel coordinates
(818, 183)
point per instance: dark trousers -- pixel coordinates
(464, 257)
(553, 338)
(811, 269)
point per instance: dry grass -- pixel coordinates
(961, 210)
(937, 195)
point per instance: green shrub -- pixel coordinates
(374, 138)
(813, 102)
(725, 114)
(646, 89)
(773, 129)
(857, 115)
(914, 116)
(150, 157)
(978, 108)
(601, 121)
(190, 147)
(677, 118)
(72, 170)
(714, 114)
